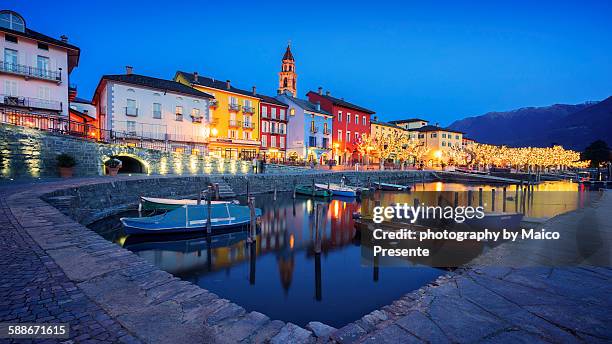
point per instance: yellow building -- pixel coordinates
(378, 128)
(234, 117)
(439, 141)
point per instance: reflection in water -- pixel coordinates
(300, 269)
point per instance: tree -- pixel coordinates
(387, 145)
(598, 152)
(365, 145)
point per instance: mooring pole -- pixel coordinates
(274, 191)
(294, 187)
(318, 216)
(523, 200)
(492, 199)
(253, 222)
(248, 191)
(504, 201)
(313, 187)
(480, 197)
(416, 202)
(456, 199)
(200, 197)
(469, 197)
(217, 192)
(209, 210)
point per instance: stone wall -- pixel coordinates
(31, 153)
(92, 202)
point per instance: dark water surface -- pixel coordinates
(281, 276)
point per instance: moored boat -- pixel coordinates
(391, 187)
(152, 203)
(308, 190)
(338, 190)
(191, 218)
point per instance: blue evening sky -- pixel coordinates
(433, 59)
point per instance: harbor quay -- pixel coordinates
(56, 270)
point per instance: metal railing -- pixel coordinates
(213, 103)
(248, 109)
(27, 102)
(65, 126)
(247, 125)
(234, 123)
(34, 72)
(233, 107)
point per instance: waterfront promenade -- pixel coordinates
(56, 270)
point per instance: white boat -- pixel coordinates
(391, 187)
(152, 203)
(338, 190)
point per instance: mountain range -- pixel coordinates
(572, 126)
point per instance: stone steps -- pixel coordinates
(225, 190)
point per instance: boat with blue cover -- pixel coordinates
(191, 218)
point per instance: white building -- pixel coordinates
(34, 69)
(145, 108)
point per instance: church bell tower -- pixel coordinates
(287, 77)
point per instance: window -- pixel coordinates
(443, 143)
(348, 136)
(312, 141)
(443, 135)
(282, 114)
(356, 137)
(10, 88)
(179, 112)
(264, 140)
(339, 135)
(157, 110)
(421, 136)
(457, 137)
(11, 59)
(365, 122)
(131, 109)
(131, 127)
(44, 93)
(357, 119)
(10, 38)
(264, 126)
(325, 128)
(325, 143)
(246, 135)
(339, 116)
(348, 118)
(273, 112)
(232, 134)
(282, 142)
(233, 100)
(312, 127)
(273, 128)
(433, 135)
(42, 63)
(292, 112)
(264, 111)
(195, 112)
(43, 46)
(273, 141)
(12, 20)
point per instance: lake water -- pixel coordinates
(282, 276)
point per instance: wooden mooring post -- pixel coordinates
(208, 210)
(274, 197)
(480, 197)
(504, 199)
(253, 222)
(469, 198)
(492, 200)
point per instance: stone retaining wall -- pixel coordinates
(88, 203)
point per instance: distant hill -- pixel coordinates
(573, 126)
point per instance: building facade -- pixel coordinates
(287, 77)
(273, 128)
(410, 123)
(234, 114)
(308, 131)
(439, 142)
(164, 112)
(350, 123)
(34, 70)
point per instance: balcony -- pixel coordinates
(30, 72)
(233, 107)
(248, 109)
(179, 117)
(234, 123)
(247, 125)
(213, 103)
(33, 103)
(196, 119)
(131, 111)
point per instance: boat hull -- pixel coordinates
(307, 190)
(338, 190)
(151, 203)
(190, 219)
(391, 187)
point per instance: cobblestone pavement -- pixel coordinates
(34, 289)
